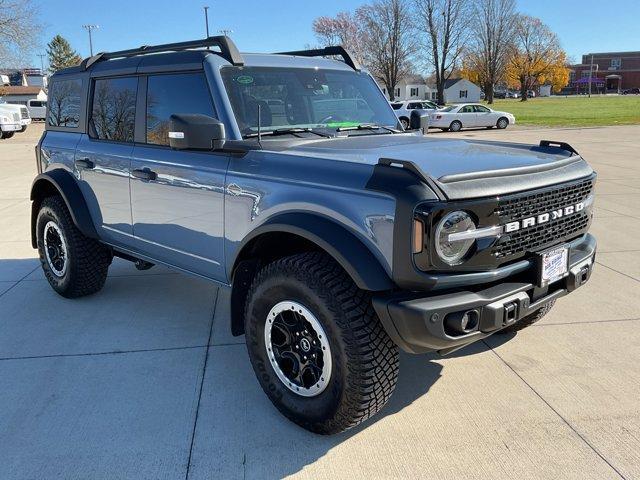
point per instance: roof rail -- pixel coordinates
(228, 50)
(327, 51)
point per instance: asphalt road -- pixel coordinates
(144, 380)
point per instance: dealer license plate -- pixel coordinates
(554, 265)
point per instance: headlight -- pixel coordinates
(4, 119)
(454, 251)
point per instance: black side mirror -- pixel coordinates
(419, 120)
(196, 132)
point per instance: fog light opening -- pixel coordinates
(461, 323)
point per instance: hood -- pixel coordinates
(9, 108)
(459, 168)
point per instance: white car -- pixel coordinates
(403, 109)
(37, 109)
(469, 115)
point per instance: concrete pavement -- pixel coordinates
(144, 380)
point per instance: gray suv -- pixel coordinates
(287, 179)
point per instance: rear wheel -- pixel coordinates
(73, 264)
(502, 123)
(316, 345)
(529, 319)
(455, 126)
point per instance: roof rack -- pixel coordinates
(228, 50)
(327, 51)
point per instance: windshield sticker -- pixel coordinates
(342, 124)
(245, 80)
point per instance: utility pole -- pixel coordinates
(226, 31)
(590, 74)
(88, 28)
(206, 19)
(41, 55)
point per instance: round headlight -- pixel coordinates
(453, 251)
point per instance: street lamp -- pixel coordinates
(88, 28)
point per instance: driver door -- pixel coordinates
(177, 196)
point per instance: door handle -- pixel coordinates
(84, 163)
(144, 174)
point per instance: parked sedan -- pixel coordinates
(469, 115)
(403, 109)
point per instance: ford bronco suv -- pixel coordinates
(288, 179)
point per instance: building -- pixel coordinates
(413, 87)
(611, 72)
(461, 90)
(456, 90)
(25, 77)
(20, 95)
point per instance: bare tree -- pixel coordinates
(19, 30)
(493, 29)
(444, 24)
(389, 41)
(343, 29)
(536, 52)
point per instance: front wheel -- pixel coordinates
(316, 345)
(405, 123)
(23, 128)
(455, 126)
(502, 123)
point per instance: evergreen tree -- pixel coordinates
(61, 55)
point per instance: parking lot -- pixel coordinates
(144, 380)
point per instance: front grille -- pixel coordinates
(16, 117)
(24, 112)
(537, 237)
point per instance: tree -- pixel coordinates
(343, 29)
(19, 30)
(536, 55)
(389, 41)
(444, 24)
(493, 27)
(61, 55)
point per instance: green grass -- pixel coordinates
(574, 111)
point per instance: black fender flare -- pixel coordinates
(61, 182)
(348, 250)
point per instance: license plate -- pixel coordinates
(554, 265)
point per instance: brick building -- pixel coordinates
(612, 71)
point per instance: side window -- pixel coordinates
(114, 109)
(467, 109)
(64, 103)
(481, 109)
(169, 94)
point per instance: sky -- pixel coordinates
(279, 25)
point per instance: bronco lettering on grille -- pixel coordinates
(543, 217)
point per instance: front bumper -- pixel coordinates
(10, 127)
(419, 323)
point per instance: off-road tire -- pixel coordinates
(364, 359)
(88, 260)
(529, 319)
(455, 126)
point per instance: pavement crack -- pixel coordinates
(93, 354)
(566, 422)
(618, 271)
(204, 371)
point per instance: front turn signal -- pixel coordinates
(418, 235)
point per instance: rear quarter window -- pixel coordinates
(113, 111)
(64, 103)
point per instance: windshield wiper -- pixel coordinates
(367, 126)
(288, 131)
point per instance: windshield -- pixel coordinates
(304, 98)
(450, 108)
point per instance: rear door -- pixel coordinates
(467, 116)
(103, 156)
(177, 196)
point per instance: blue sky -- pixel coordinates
(276, 25)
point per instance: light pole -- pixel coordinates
(88, 28)
(590, 74)
(41, 55)
(206, 19)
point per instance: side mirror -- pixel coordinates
(196, 132)
(419, 120)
